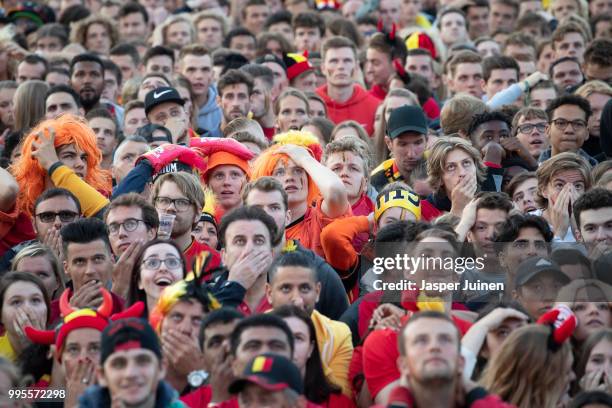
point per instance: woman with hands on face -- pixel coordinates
(594, 369)
(23, 302)
(562, 179)
(456, 172)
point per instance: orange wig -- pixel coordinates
(267, 161)
(30, 175)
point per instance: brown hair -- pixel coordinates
(525, 372)
(457, 113)
(351, 124)
(79, 32)
(187, 183)
(528, 113)
(517, 181)
(561, 162)
(462, 57)
(205, 15)
(564, 29)
(149, 213)
(353, 145)
(193, 49)
(335, 43)
(437, 159)
(291, 92)
(600, 170)
(267, 184)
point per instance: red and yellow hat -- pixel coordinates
(296, 64)
(81, 319)
(419, 39)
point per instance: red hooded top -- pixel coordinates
(361, 107)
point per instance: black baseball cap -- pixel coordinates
(129, 333)
(271, 372)
(406, 118)
(162, 95)
(534, 266)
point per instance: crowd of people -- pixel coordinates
(297, 203)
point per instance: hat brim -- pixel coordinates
(180, 101)
(238, 385)
(404, 129)
(556, 272)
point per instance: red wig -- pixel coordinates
(268, 159)
(30, 175)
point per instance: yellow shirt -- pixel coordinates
(336, 349)
(6, 349)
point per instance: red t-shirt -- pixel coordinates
(198, 398)
(380, 354)
(308, 229)
(15, 228)
(195, 249)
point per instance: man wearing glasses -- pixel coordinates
(53, 209)
(180, 194)
(529, 126)
(131, 222)
(567, 128)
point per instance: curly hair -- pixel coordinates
(79, 32)
(30, 175)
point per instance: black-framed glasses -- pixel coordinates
(129, 225)
(48, 217)
(528, 127)
(171, 262)
(181, 204)
(576, 124)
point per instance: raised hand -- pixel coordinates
(182, 352)
(559, 212)
(249, 266)
(87, 296)
(122, 270)
(462, 194)
(43, 148)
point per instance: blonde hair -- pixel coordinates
(561, 162)
(353, 145)
(29, 104)
(437, 159)
(593, 87)
(79, 31)
(458, 111)
(159, 35)
(188, 184)
(351, 124)
(208, 14)
(38, 249)
(526, 372)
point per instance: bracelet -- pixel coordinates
(527, 87)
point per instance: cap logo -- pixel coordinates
(262, 364)
(128, 345)
(543, 262)
(159, 95)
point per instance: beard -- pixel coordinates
(90, 102)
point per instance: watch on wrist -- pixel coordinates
(197, 378)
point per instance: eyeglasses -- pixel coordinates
(49, 217)
(528, 127)
(181, 204)
(154, 263)
(576, 124)
(129, 225)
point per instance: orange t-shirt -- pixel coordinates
(308, 229)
